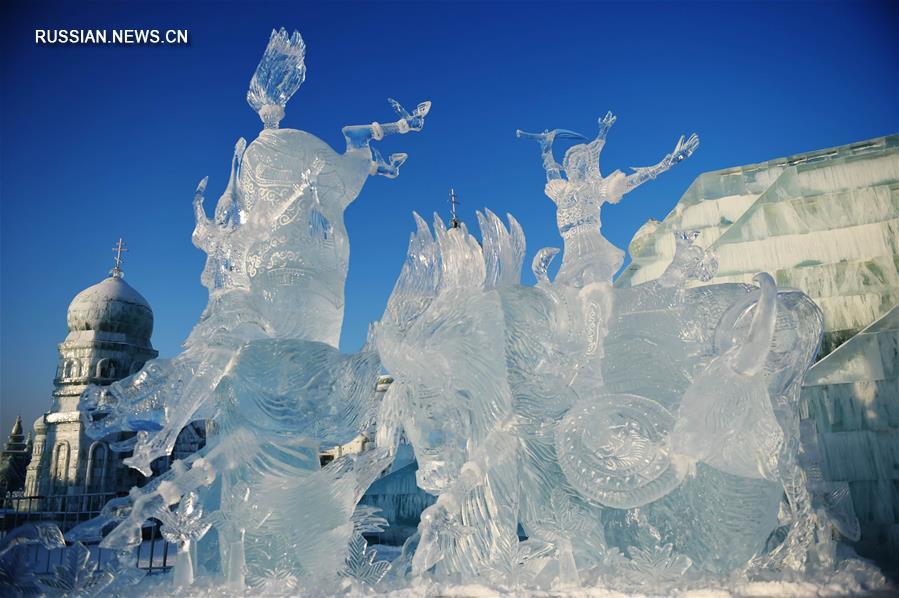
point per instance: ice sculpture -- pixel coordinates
(640, 436)
(76, 573)
(261, 367)
(582, 191)
(16, 573)
(575, 434)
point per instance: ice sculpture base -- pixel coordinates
(852, 577)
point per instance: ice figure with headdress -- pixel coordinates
(261, 366)
(637, 436)
(579, 190)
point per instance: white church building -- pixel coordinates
(109, 329)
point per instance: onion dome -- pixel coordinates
(111, 306)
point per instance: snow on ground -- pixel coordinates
(853, 578)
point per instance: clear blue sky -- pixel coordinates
(103, 141)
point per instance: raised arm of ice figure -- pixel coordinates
(684, 149)
(382, 167)
(359, 137)
(545, 139)
(204, 226)
(605, 123)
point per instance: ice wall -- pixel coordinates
(825, 222)
(853, 397)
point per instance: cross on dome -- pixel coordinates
(119, 259)
(454, 222)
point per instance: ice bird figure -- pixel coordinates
(261, 366)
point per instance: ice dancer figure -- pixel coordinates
(579, 190)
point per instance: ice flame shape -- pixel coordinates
(279, 75)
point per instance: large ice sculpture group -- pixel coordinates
(635, 435)
(574, 433)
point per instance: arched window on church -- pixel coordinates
(69, 369)
(60, 468)
(106, 368)
(96, 467)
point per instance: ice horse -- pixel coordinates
(580, 434)
(261, 366)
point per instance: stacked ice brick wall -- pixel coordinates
(853, 396)
(825, 222)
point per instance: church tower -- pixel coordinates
(109, 325)
(13, 460)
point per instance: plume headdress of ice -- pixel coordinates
(279, 75)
